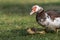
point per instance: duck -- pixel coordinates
(50, 20)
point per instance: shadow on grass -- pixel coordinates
(21, 32)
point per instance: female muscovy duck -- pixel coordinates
(50, 20)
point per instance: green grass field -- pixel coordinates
(15, 18)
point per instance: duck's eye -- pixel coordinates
(34, 9)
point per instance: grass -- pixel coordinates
(15, 18)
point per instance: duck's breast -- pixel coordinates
(53, 23)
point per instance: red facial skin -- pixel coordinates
(34, 9)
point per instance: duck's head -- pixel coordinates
(36, 9)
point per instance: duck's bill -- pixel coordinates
(31, 13)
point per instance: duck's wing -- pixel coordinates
(53, 14)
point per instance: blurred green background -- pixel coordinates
(15, 18)
(24, 6)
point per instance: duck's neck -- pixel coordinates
(41, 14)
(40, 17)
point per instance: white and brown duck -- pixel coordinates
(50, 19)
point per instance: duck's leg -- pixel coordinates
(57, 30)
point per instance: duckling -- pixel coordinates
(35, 31)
